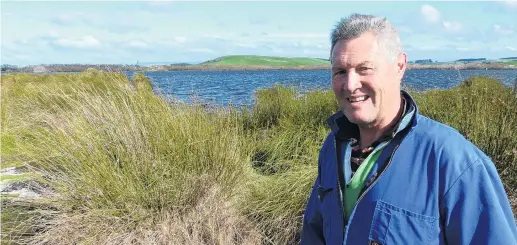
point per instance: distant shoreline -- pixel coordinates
(255, 62)
(135, 68)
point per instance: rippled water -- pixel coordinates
(238, 87)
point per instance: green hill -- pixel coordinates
(255, 60)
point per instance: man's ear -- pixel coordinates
(401, 64)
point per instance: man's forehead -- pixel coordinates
(343, 56)
(350, 60)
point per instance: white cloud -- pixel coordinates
(53, 34)
(313, 52)
(201, 50)
(212, 36)
(273, 48)
(17, 57)
(511, 48)
(430, 14)
(137, 44)
(298, 35)
(23, 57)
(403, 29)
(429, 47)
(159, 3)
(452, 26)
(511, 4)
(70, 18)
(502, 31)
(82, 42)
(180, 39)
(116, 22)
(246, 45)
(23, 42)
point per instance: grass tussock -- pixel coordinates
(213, 221)
(121, 149)
(130, 168)
(287, 108)
(276, 204)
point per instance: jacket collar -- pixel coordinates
(343, 128)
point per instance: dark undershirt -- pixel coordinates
(358, 154)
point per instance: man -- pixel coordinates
(389, 175)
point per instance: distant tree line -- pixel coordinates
(424, 61)
(9, 68)
(471, 59)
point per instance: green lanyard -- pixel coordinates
(357, 182)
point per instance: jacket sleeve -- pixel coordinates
(476, 208)
(312, 230)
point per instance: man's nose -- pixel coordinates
(352, 82)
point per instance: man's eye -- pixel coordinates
(340, 72)
(364, 68)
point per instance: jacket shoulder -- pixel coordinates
(450, 151)
(446, 140)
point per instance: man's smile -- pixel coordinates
(357, 99)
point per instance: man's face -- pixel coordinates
(364, 81)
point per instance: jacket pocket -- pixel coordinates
(323, 191)
(394, 225)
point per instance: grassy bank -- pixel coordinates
(128, 167)
(512, 62)
(255, 60)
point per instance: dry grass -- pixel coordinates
(213, 221)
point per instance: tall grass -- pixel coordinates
(119, 155)
(128, 167)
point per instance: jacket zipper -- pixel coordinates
(338, 183)
(368, 188)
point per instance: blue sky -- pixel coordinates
(124, 32)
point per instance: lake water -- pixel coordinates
(238, 87)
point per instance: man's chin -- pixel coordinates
(357, 119)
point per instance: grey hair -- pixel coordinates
(357, 24)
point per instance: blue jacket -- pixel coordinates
(432, 186)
